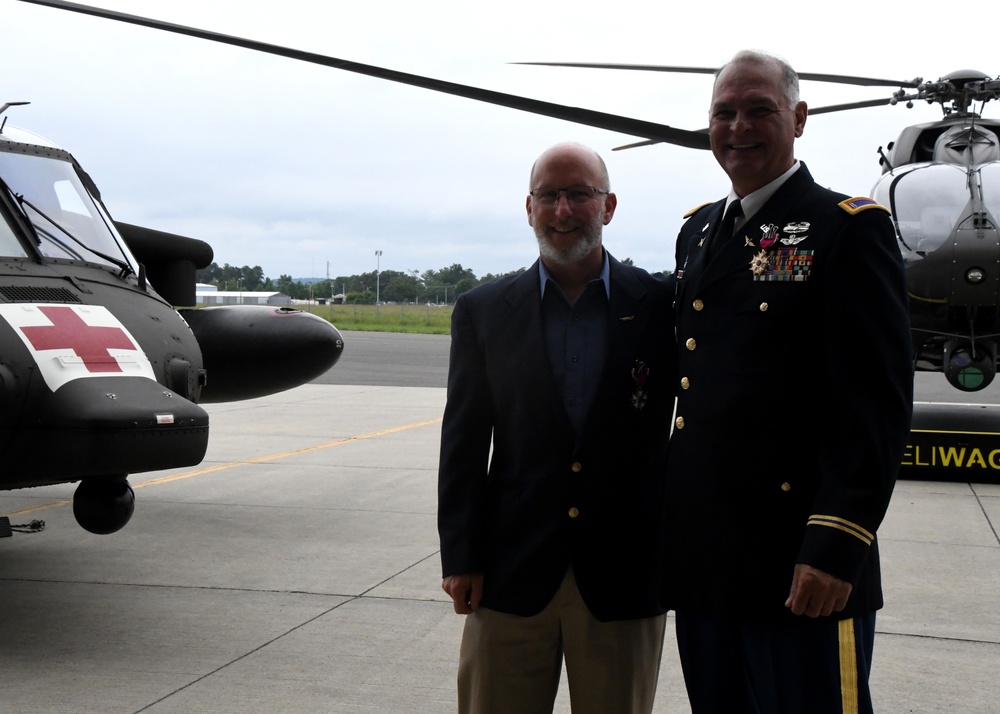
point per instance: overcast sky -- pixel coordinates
(303, 169)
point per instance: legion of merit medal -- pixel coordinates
(640, 373)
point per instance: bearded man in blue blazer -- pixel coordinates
(560, 395)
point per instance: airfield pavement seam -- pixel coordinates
(246, 654)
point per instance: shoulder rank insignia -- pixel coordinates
(697, 208)
(859, 204)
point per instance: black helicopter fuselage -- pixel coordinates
(942, 185)
(100, 375)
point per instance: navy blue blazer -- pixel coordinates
(544, 500)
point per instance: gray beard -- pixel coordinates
(590, 239)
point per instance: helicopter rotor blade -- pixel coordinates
(601, 120)
(812, 110)
(835, 78)
(850, 105)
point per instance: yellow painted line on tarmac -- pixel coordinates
(233, 464)
(25, 511)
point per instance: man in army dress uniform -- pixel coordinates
(794, 399)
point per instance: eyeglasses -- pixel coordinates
(577, 195)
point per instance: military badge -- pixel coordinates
(787, 265)
(760, 264)
(795, 233)
(770, 235)
(640, 373)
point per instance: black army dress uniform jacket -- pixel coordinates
(548, 499)
(794, 403)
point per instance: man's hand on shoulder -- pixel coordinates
(816, 593)
(466, 591)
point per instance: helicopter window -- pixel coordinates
(69, 199)
(10, 246)
(927, 203)
(990, 174)
(68, 222)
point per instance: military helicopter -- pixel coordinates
(100, 375)
(936, 181)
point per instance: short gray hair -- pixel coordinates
(789, 76)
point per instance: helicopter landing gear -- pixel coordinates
(103, 505)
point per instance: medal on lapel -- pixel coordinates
(640, 373)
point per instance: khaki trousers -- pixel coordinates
(511, 665)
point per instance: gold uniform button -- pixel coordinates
(786, 487)
(577, 467)
(574, 512)
(763, 307)
(698, 305)
(685, 383)
(679, 423)
(690, 344)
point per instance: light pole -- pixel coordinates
(378, 260)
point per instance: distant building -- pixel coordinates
(210, 295)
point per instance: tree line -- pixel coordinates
(435, 286)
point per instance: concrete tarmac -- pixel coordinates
(296, 570)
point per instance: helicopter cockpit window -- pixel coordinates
(927, 203)
(10, 246)
(69, 223)
(991, 191)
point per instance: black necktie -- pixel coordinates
(725, 232)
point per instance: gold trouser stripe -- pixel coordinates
(848, 667)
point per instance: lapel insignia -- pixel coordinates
(797, 232)
(626, 318)
(747, 243)
(770, 235)
(704, 234)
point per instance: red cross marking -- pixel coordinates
(69, 331)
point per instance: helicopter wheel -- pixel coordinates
(103, 506)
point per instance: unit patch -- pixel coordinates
(859, 204)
